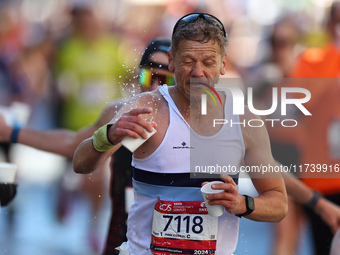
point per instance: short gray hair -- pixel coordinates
(200, 30)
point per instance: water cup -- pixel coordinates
(7, 172)
(213, 210)
(133, 144)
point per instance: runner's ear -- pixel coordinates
(171, 62)
(224, 65)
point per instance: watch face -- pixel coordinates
(251, 204)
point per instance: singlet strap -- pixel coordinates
(164, 90)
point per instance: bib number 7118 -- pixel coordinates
(195, 225)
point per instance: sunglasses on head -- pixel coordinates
(147, 77)
(195, 16)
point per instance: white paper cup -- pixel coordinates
(213, 210)
(7, 172)
(133, 144)
(21, 112)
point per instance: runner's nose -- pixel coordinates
(197, 70)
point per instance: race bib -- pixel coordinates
(183, 227)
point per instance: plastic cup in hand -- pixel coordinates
(213, 210)
(7, 172)
(133, 144)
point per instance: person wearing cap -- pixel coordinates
(168, 215)
(153, 71)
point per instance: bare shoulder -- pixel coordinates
(152, 99)
(115, 105)
(147, 99)
(109, 112)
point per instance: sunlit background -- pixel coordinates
(53, 212)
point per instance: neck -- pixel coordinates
(190, 107)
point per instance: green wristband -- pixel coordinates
(100, 140)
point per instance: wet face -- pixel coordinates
(196, 60)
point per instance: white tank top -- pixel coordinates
(165, 176)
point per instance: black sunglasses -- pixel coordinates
(195, 16)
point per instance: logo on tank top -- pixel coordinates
(183, 146)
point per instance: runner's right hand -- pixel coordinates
(131, 124)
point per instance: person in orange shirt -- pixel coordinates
(318, 70)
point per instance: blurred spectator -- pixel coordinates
(12, 82)
(90, 72)
(321, 65)
(89, 68)
(284, 45)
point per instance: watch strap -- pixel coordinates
(250, 209)
(311, 204)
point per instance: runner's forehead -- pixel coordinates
(189, 48)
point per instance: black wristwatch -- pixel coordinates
(250, 206)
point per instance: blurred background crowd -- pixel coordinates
(63, 61)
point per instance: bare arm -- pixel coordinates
(328, 211)
(59, 141)
(301, 193)
(126, 123)
(271, 204)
